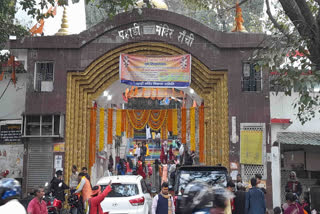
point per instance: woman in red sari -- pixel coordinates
(292, 206)
(140, 170)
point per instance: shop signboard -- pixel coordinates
(155, 71)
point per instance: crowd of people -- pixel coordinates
(160, 176)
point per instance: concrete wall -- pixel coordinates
(281, 106)
(12, 103)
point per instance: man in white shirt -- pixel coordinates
(73, 183)
(10, 191)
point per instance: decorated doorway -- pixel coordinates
(86, 88)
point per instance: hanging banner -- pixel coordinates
(155, 71)
(251, 147)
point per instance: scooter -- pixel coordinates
(54, 206)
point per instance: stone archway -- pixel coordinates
(83, 87)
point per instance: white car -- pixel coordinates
(129, 195)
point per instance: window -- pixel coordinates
(43, 125)
(251, 77)
(43, 78)
(122, 190)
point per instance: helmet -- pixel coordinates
(220, 197)
(196, 196)
(9, 187)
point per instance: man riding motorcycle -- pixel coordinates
(200, 198)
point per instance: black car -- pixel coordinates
(212, 175)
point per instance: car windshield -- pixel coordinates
(213, 178)
(122, 190)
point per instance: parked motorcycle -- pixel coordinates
(75, 202)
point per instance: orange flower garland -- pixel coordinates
(174, 122)
(138, 118)
(201, 134)
(92, 142)
(192, 129)
(110, 119)
(183, 125)
(124, 120)
(157, 118)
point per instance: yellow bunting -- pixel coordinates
(201, 134)
(119, 122)
(110, 113)
(183, 125)
(124, 121)
(169, 120)
(192, 129)
(174, 122)
(164, 132)
(101, 129)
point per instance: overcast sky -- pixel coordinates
(75, 14)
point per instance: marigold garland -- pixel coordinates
(138, 118)
(101, 129)
(201, 134)
(169, 120)
(164, 132)
(192, 129)
(157, 118)
(92, 142)
(124, 121)
(119, 122)
(183, 125)
(110, 119)
(174, 122)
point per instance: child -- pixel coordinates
(277, 210)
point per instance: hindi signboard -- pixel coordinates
(10, 133)
(155, 71)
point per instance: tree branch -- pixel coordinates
(274, 21)
(292, 10)
(229, 7)
(307, 14)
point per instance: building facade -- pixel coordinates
(66, 73)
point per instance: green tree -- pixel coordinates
(293, 52)
(8, 26)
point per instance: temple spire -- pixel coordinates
(64, 25)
